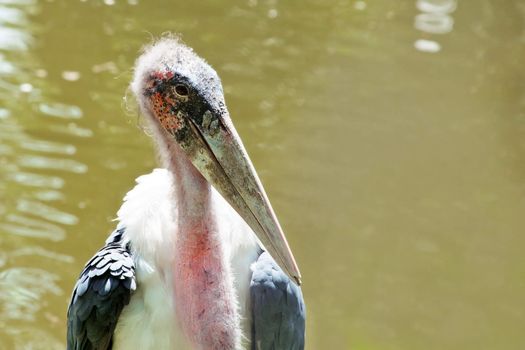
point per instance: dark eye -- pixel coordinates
(181, 90)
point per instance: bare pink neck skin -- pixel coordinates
(204, 298)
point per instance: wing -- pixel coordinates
(278, 310)
(103, 289)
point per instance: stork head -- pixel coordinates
(183, 95)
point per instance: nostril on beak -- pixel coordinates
(210, 124)
(206, 120)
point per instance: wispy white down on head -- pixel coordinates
(171, 55)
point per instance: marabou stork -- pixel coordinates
(183, 269)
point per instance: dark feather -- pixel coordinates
(103, 289)
(278, 310)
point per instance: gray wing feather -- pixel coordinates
(103, 289)
(278, 310)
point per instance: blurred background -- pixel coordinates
(388, 134)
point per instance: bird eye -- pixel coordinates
(181, 90)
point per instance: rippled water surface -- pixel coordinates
(390, 136)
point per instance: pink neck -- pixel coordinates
(205, 301)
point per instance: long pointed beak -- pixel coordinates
(216, 150)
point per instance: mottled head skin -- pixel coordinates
(162, 73)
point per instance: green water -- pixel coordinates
(396, 165)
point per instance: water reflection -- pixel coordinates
(14, 39)
(22, 291)
(29, 227)
(434, 23)
(437, 6)
(60, 110)
(435, 18)
(46, 212)
(39, 162)
(35, 180)
(48, 146)
(31, 190)
(72, 129)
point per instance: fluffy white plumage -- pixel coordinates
(148, 216)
